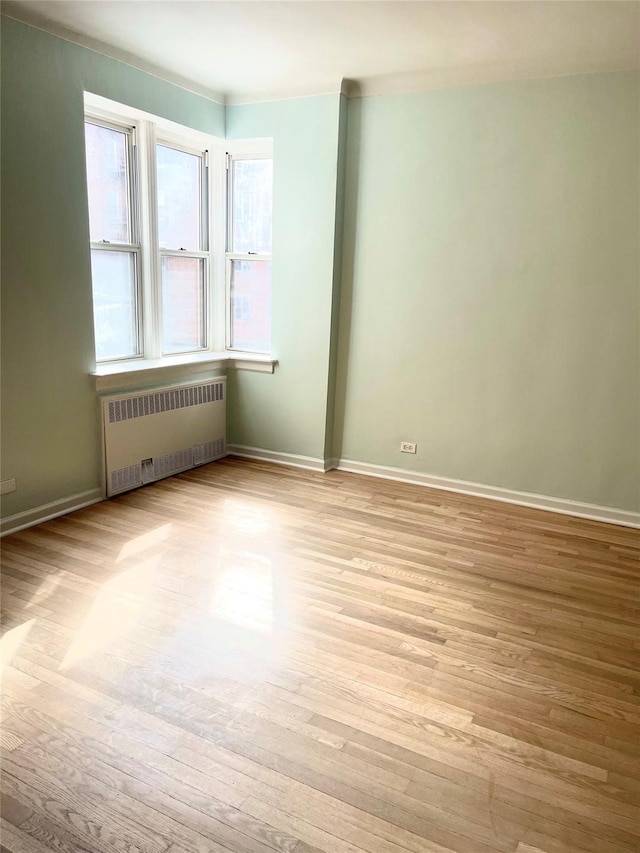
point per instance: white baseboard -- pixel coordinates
(330, 464)
(593, 512)
(312, 463)
(563, 506)
(22, 520)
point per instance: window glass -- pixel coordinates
(183, 304)
(250, 309)
(114, 303)
(108, 184)
(251, 207)
(179, 200)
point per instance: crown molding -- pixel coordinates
(414, 82)
(404, 83)
(288, 94)
(24, 16)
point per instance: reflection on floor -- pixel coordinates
(252, 658)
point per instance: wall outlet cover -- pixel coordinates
(408, 447)
(7, 486)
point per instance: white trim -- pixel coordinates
(563, 506)
(592, 512)
(140, 372)
(456, 77)
(415, 82)
(23, 15)
(289, 93)
(257, 362)
(168, 131)
(330, 464)
(31, 517)
(311, 463)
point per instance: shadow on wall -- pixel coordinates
(354, 123)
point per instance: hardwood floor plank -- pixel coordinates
(15, 840)
(248, 658)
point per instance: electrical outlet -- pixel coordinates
(408, 447)
(7, 486)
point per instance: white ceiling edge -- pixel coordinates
(411, 82)
(348, 88)
(424, 81)
(23, 16)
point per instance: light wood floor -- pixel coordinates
(252, 658)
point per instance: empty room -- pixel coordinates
(320, 464)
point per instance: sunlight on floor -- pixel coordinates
(114, 611)
(243, 592)
(46, 589)
(12, 640)
(247, 518)
(147, 540)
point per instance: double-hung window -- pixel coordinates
(183, 240)
(160, 214)
(249, 193)
(115, 239)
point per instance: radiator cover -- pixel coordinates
(154, 434)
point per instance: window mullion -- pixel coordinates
(152, 290)
(217, 245)
(205, 237)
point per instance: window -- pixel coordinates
(115, 244)
(159, 215)
(250, 182)
(183, 240)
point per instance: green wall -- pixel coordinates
(50, 439)
(459, 268)
(490, 306)
(287, 412)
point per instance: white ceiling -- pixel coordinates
(245, 51)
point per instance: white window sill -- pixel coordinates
(133, 374)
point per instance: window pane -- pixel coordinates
(114, 304)
(108, 184)
(183, 326)
(252, 191)
(179, 206)
(251, 305)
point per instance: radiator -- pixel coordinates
(154, 434)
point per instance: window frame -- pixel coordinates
(253, 149)
(134, 247)
(147, 131)
(203, 253)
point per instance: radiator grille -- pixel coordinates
(172, 462)
(164, 401)
(125, 478)
(208, 451)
